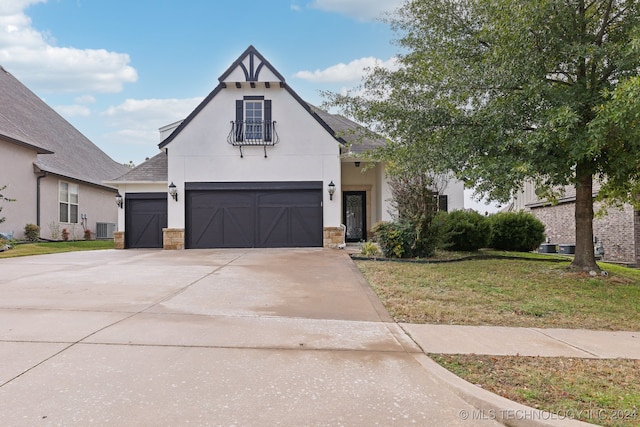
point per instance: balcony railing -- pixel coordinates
(250, 133)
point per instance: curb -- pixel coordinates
(490, 406)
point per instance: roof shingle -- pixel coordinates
(27, 120)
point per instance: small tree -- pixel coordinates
(4, 199)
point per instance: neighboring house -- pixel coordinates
(256, 166)
(617, 234)
(54, 173)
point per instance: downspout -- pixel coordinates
(38, 196)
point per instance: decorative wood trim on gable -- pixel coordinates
(256, 63)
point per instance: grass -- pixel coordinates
(40, 248)
(526, 292)
(604, 392)
(507, 292)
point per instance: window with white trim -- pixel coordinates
(68, 202)
(253, 120)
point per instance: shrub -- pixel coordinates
(369, 249)
(465, 230)
(54, 228)
(429, 231)
(65, 234)
(31, 232)
(516, 231)
(396, 239)
(87, 234)
(5, 244)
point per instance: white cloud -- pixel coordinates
(32, 57)
(73, 110)
(160, 111)
(362, 10)
(8, 7)
(85, 99)
(140, 119)
(354, 71)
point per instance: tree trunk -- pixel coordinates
(585, 259)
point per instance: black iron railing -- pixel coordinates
(250, 133)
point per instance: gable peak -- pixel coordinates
(251, 66)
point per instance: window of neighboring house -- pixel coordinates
(68, 196)
(253, 120)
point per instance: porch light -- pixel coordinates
(173, 191)
(119, 200)
(332, 190)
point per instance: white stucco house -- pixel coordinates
(254, 165)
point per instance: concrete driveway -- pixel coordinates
(207, 337)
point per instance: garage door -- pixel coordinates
(145, 217)
(253, 215)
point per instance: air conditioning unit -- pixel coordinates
(104, 230)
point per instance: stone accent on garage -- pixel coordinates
(619, 230)
(118, 239)
(333, 237)
(173, 238)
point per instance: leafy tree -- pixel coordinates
(502, 92)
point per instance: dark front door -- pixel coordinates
(354, 206)
(145, 217)
(269, 215)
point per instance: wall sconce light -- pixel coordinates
(119, 200)
(357, 164)
(332, 190)
(173, 191)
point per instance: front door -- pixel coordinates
(354, 205)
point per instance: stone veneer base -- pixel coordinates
(333, 237)
(173, 238)
(118, 239)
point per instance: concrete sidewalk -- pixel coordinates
(504, 341)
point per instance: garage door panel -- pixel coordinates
(273, 228)
(237, 227)
(306, 226)
(254, 218)
(144, 221)
(217, 219)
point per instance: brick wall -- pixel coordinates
(618, 231)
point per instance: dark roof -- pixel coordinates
(356, 136)
(28, 121)
(152, 170)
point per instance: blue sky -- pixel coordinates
(120, 69)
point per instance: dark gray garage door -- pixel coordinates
(253, 215)
(145, 217)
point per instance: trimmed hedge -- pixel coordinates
(516, 231)
(466, 231)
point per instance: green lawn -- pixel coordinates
(507, 292)
(39, 248)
